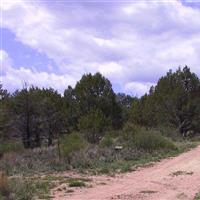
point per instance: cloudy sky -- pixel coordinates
(51, 43)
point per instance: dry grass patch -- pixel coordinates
(148, 192)
(4, 187)
(179, 173)
(197, 197)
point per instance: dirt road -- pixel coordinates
(170, 179)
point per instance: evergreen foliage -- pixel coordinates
(41, 116)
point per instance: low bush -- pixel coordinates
(76, 183)
(32, 161)
(71, 143)
(93, 125)
(170, 132)
(26, 189)
(95, 157)
(150, 141)
(129, 130)
(11, 146)
(142, 146)
(106, 141)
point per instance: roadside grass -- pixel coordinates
(77, 183)
(31, 188)
(26, 188)
(11, 146)
(197, 197)
(38, 185)
(33, 173)
(122, 166)
(94, 159)
(179, 173)
(70, 191)
(32, 161)
(144, 160)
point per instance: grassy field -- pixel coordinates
(31, 174)
(33, 187)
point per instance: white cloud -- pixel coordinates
(14, 78)
(139, 88)
(110, 69)
(133, 44)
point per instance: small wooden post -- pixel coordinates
(117, 149)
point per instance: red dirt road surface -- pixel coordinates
(170, 179)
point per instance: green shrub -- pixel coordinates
(71, 143)
(93, 125)
(149, 141)
(197, 197)
(106, 141)
(129, 130)
(76, 183)
(22, 189)
(11, 146)
(170, 133)
(130, 127)
(28, 189)
(32, 161)
(126, 167)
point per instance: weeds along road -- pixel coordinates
(170, 179)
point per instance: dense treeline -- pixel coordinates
(40, 116)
